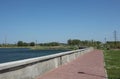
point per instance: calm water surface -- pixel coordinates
(13, 54)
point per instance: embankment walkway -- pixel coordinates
(87, 66)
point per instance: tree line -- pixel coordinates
(112, 44)
(21, 43)
(96, 44)
(85, 43)
(50, 44)
(70, 42)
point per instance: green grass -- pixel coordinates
(112, 60)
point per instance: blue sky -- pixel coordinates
(58, 20)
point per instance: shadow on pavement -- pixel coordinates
(91, 74)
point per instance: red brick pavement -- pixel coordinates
(87, 66)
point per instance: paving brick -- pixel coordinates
(87, 66)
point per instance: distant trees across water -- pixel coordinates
(21, 43)
(50, 44)
(71, 42)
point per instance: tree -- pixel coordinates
(32, 44)
(20, 43)
(73, 42)
(54, 44)
(69, 42)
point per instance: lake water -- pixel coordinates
(13, 54)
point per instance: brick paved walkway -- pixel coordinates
(87, 66)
